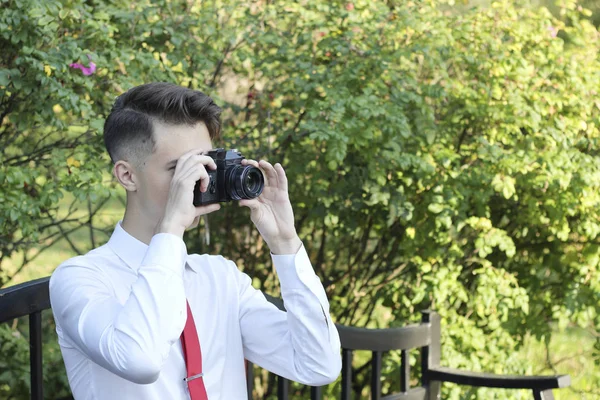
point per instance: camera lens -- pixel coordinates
(252, 182)
(245, 182)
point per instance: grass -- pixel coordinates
(46, 262)
(569, 352)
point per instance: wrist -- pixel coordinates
(165, 227)
(281, 247)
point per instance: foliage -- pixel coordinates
(436, 160)
(14, 365)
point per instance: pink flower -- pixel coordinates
(86, 70)
(553, 31)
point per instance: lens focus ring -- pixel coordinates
(245, 182)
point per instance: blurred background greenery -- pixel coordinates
(441, 154)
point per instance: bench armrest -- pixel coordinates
(481, 379)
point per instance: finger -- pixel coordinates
(254, 163)
(269, 172)
(179, 165)
(195, 152)
(252, 204)
(204, 180)
(195, 167)
(196, 159)
(197, 173)
(202, 210)
(190, 160)
(194, 170)
(281, 177)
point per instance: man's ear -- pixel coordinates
(125, 174)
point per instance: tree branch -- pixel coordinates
(219, 66)
(65, 235)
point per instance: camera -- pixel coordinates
(231, 180)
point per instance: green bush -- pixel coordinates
(436, 159)
(14, 364)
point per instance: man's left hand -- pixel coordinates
(272, 211)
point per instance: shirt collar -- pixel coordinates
(130, 250)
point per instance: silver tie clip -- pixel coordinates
(191, 378)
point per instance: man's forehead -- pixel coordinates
(175, 140)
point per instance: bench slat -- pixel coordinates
(346, 374)
(283, 388)
(404, 371)
(24, 299)
(376, 375)
(35, 355)
(413, 394)
(404, 338)
(316, 393)
(481, 379)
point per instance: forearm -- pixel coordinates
(301, 344)
(314, 353)
(314, 338)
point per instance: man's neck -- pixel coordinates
(137, 226)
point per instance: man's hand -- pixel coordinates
(272, 211)
(180, 212)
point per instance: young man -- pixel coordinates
(120, 310)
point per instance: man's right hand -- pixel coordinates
(180, 212)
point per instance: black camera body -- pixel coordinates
(231, 180)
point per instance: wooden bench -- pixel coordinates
(31, 298)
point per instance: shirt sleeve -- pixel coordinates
(132, 339)
(301, 344)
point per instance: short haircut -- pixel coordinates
(129, 129)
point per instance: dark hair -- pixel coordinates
(128, 130)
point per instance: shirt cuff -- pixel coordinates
(168, 251)
(294, 270)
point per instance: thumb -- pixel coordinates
(252, 204)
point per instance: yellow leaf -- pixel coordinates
(47, 70)
(72, 162)
(122, 67)
(178, 67)
(496, 92)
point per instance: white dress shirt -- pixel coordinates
(121, 308)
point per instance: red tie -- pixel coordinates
(193, 358)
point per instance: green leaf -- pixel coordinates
(435, 208)
(45, 20)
